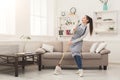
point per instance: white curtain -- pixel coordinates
(39, 17)
(7, 17)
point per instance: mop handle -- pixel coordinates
(61, 58)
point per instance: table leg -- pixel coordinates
(33, 59)
(16, 66)
(39, 62)
(23, 63)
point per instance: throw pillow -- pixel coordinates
(101, 46)
(94, 47)
(40, 50)
(47, 47)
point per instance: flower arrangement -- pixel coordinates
(25, 39)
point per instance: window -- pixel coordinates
(38, 17)
(7, 17)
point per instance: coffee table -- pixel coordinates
(13, 60)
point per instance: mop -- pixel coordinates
(58, 69)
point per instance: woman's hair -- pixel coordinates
(90, 21)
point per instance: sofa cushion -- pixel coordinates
(68, 55)
(86, 46)
(56, 44)
(32, 46)
(57, 55)
(87, 55)
(52, 55)
(66, 47)
(9, 49)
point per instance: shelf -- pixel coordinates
(105, 32)
(66, 24)
(105, 22)
(66, 27)
(98, 12)
(65, 35)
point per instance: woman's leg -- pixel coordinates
(78, 61)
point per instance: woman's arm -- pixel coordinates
(81, 38)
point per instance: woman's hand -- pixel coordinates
(73, 30)
(70, 43)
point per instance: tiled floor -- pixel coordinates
(113, 73)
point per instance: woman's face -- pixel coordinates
(84, 20)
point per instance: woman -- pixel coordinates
(79, 33)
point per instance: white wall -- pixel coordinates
(83, 6)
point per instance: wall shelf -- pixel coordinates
(106, 22)
(65, 35)
(66, 24)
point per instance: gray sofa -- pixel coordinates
(99, 60)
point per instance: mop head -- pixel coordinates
(58, 70)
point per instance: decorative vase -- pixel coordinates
(105, 7)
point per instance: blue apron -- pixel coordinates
(76, 48)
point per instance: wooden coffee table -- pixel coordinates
(13, 60)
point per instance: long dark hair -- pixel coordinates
(90, 21)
